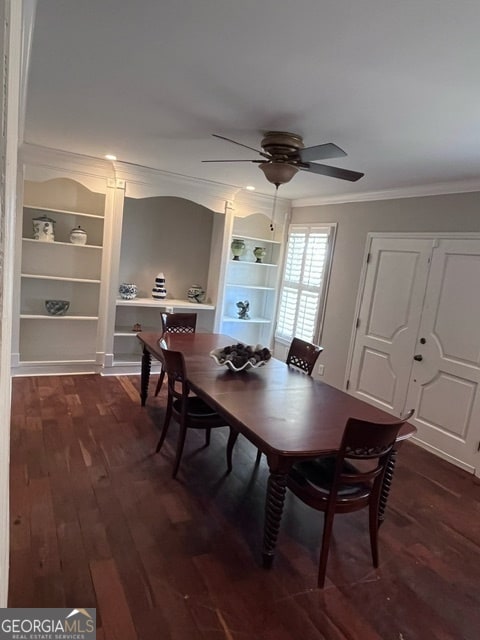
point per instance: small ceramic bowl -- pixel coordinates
(57, 307)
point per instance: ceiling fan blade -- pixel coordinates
(259, 161)
(321, 152)
(265, 155)
(333, 172)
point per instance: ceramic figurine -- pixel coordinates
(243, 308)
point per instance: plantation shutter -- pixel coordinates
(305, 277)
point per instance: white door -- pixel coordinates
(418, 341)
(388, 321)
(445, 384)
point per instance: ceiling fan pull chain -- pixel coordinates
(272, 223)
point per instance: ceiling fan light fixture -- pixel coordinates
(278, 172)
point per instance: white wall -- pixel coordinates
(168, 235)
(456, 212)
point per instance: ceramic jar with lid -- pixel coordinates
(78, 235)
(43, 229)
(196, 293)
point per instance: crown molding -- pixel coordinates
(43, 163)
(436, 189)
(142, 182)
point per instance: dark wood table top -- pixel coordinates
(286, 414)
(282, 411)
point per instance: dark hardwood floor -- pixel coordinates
(97, 521)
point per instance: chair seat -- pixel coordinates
(318, 474)
(196, 408)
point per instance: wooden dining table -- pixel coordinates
(288, 415)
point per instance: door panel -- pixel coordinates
(445, 384)
(388, 321)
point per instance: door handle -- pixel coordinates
(418, 357)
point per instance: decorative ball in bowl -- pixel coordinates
(57, 307)
(241, 357)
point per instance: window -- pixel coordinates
(305, 281)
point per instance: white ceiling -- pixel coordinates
(394, 83)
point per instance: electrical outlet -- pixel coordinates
(321, 369)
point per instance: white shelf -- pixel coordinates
(249, 286)
(65, 361)
(31, 316)
(249, 321)
(64, 244)
(127, 332)
(36, 276)
(167, 302)
(66, 212)
(252, 262)
(242, 237)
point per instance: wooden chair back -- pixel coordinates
(175, 369)
(178, 322)
(187, 409)
(335, 485)
(175, 323)
(303, 355)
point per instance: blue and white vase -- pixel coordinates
(196, 293)
(43, 229)
(159, 292)
(128, 291)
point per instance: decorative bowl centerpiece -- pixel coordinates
(240, 357)
(57, 307)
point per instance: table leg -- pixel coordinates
(387, 483)
(276, 490)
(145, 377)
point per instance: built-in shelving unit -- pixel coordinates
(60, 270)
(252, 281)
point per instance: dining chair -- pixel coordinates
(333, 484)
(175, 323)
(190, 411)
(303, 355)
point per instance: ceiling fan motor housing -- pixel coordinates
(281, 144)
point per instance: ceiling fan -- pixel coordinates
(284, 154)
